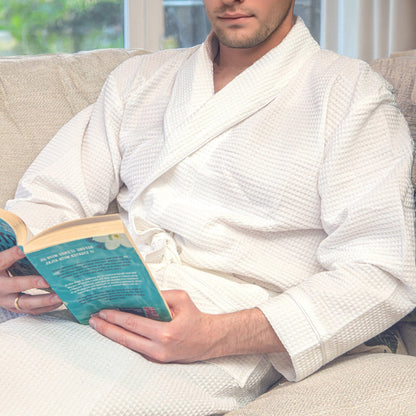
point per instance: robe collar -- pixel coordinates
(196, 115)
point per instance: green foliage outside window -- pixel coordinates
(49, 26)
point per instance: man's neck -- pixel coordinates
(229, 62)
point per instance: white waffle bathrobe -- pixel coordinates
(288, 190)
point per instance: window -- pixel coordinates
(48, 26)
(183, 23)
(310, 12)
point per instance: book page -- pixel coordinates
(75, 229)
(17, 225)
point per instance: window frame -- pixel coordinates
(143, 24)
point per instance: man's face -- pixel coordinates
(248, 23)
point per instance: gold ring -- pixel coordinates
(16, 302)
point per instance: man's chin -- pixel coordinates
(240, 41)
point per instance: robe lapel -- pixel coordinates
(195, 115)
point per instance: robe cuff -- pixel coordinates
(295, 330)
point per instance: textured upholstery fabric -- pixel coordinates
(403, 53)
(363, 385)
(38, 94)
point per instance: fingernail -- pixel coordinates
(55, 299)
(93, 323)
(42, 283)
(102, 315)
(19, 251)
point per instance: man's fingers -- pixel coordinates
(12, 286)
(9, 257)
(37, 311)
(124, 337)
(140, 325)
(34, 304)
(146, 336)
(22, 283)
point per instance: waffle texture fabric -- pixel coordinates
(400, 71)
(53, 366)
(38, 94)
(288, 190)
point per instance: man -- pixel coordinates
(267, 183)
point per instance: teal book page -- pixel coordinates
(8, 240)
(100, 273)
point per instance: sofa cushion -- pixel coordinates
(353, 385)
(38, 94)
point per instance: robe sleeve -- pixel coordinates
(77, 173)
(367, 213)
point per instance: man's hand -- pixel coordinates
(191, 335)
(11, 288)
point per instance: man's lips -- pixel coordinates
(234, 17)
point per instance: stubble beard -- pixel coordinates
(261, 35)
(244, 41)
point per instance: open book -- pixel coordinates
(91, 263)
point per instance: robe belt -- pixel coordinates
(155, 244)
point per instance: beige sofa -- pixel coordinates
(38, 94)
